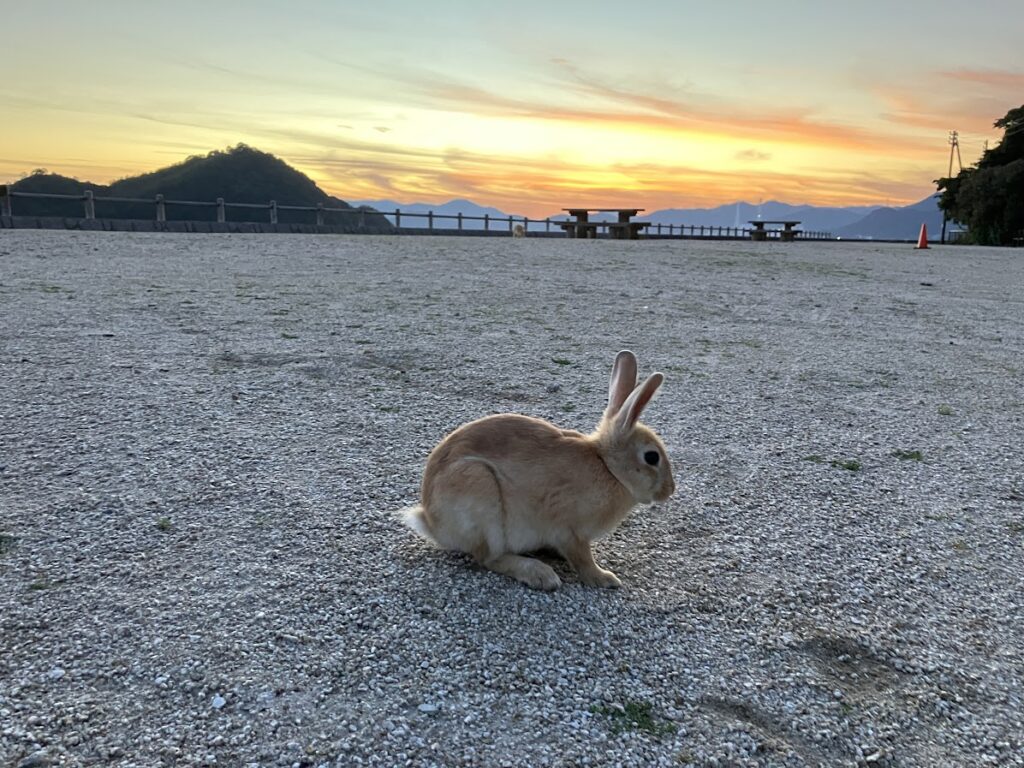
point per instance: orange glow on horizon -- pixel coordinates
(432, 107)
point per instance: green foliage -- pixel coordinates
(850, 465)
(903, 455)
(989, 197)
(635, 716)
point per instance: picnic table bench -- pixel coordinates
(624, 228)
(786, 235)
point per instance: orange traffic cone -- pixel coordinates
(922, 239)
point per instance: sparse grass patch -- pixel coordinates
(163, 524)
(634, 716)
(814, 459)
(908, 455)
(561, 361)
(959, 545)
(40, 584)
(945, 410)
(1014, 526)
(6, 543)
(568, 408)
(289, 336)
(388, 408)
(850, 465)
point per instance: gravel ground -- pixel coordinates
(203, 437)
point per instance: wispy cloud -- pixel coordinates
(968, 100)
(1010, 80)
(554, 183)
(566, 92)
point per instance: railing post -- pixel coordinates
(487, 222)
(273, 211)
(547, 224)
(510, 224)
(398, 218)
(319, 214)
(221, 218)
(430, 220)
(659, 227)
(459, 217)
(5, 201)
(362, 218)
(526, 224)
(90, 204)
(161, 209)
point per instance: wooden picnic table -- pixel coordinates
(623, 228)
(786, 235)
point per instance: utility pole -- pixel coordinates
(954, 144)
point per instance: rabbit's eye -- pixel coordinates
(652, 458)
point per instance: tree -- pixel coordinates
(989, 196)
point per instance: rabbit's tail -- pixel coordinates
(416, 519)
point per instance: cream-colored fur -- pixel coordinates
(509, 484)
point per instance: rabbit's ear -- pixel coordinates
(623, 382)
(630, 412)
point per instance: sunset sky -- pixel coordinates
(528, 106)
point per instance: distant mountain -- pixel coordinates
(811, 218)
(853, 222)
(897, 223)
(239, 175)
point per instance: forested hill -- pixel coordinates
(239, 175)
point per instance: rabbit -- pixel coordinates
(506, 485)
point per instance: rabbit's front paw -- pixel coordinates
(599, 577)
(541, 576)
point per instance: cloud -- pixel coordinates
(542, 186)
(1012, 81)
(967, 100)
(576, 96)
(588, 100)
(753, 155)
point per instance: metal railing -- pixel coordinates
(433, 222)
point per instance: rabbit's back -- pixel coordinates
(519, 479)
